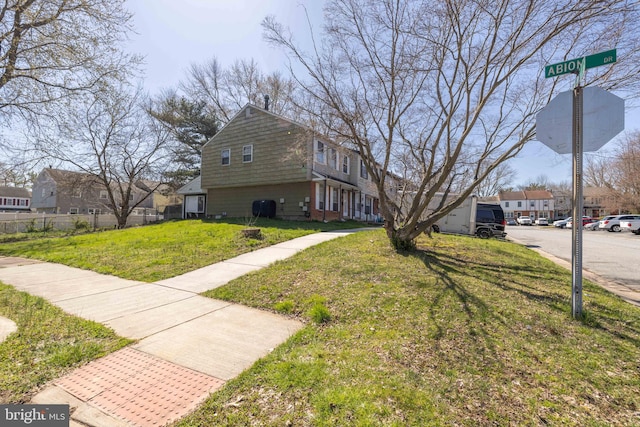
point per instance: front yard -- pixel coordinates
(462, 331)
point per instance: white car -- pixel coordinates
(592, 226)
(612, 222)
(524, 220)
(632, 225)
(561, 223)
(542, 221)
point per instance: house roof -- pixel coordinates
(277, 116)
(69, 178)
(512, 195)
(538, 194)
(525, 195)
(596, 191)
(14, 192)
(192, 187)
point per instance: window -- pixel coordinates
(247, 154)
(506, 204)
(333, 158)
(532, 204)
(519, 204)
(345, 164)
(44, 192)
(226, 157)
(320, 155)
(103, 195)
(77, 193)
(200, 204)
(363, 170)
(73, 211)
(320, 197)
(131, 197)
(92, 211)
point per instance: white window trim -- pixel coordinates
(320, 196)
(320, 152)
(250, 146)
(364, 173)
(103, 195)
(222, 157)
(334, 158)
(346, 159)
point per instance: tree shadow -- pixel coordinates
(449, 270)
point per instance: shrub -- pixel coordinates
(284, 306)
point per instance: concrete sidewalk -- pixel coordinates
(188, 345)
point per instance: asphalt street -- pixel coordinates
(614, 256)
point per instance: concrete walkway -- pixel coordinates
(188, 345)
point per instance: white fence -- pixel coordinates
(20, 222)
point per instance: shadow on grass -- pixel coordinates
(622, 322)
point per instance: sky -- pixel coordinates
(172, 35)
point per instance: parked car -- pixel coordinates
(561, 223)
(542, 221)
(524, 220)
(612, 222)
(585, 220)
(511, 221)
(592, 226)
(632, 225)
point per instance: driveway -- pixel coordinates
(613, 256)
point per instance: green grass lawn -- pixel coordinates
(159, 251)
(47, 344)
(462, 332)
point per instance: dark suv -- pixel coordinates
(490, 221)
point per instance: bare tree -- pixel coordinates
(115, 142)
(447, 90)
(225, 91)
(618, 173)
(627, 165)
(50, 49)
(497, 180)
(541, 182)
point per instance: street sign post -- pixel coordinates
(578, 67)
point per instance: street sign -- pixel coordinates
(598, 59)
(603, 120)
(574, 65)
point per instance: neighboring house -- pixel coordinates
(259, 156)
(534, 204)
(67, 192)
(162, 195)
(562, 203)
(595, 201)
(14, 199)
(195, 199)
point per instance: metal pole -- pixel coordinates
(576, 230)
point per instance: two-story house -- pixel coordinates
(67, 192)
(14, 199)
(259, 155)
(531, 203)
